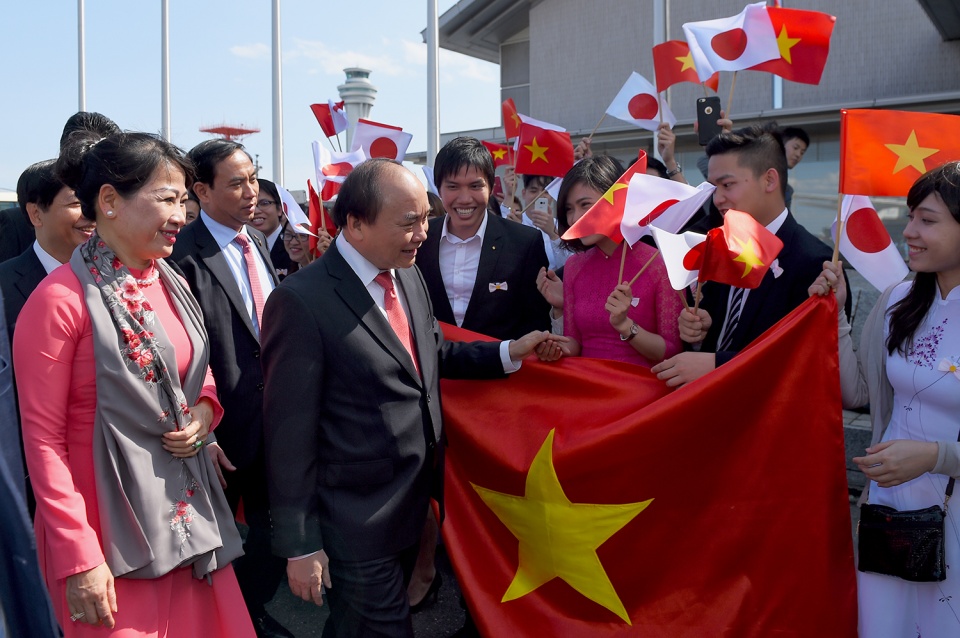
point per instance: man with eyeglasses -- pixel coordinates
(267, 218)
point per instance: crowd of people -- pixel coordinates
(183, 360)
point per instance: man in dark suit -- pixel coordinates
(352, 360)
(16, 233)
(228, 268)
(480, 269)
(749, 169)
(54, 211)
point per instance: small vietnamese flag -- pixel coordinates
(511, 119)
(502, 154)
(804, 41)
(637, 103)
(604, 217)
(884, 152)
(331, 117)
(543, 152)
(739, 253)
(673, 63)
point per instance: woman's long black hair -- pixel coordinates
(908, 313)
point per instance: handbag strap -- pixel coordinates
(950, 483)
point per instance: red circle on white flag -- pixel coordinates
(383, 147)
(866, 232)
(693, 259)
(731, 44)
(656, 212)
(643, 106)
(340, 169)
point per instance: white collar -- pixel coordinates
(445, 234)
(223, 235)
(777, 222)
(365, 270)
(48, 261)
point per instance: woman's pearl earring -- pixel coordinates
(110, 213)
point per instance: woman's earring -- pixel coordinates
(110, 213)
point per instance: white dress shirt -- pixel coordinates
(273, 237)
(459, 261)
(224, 237)
(367, 272)
(48, 261)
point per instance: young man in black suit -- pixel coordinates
(481, 270)
(228, 267)
(749, 168)
(352, 358)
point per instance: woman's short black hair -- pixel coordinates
(124, 160)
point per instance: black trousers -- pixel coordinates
(259, 572)
(369, 598)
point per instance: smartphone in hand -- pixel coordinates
(708, 112)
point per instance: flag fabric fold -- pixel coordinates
(739, 253)
(605, 216)
(295, 215)
(866, 245)
(380, 140)
(511, 119)
(884, 152)
(673, 63)
(803, 39)
(331, 116)
(331, 168)
(679, 255)
(543, 152)
(732, 44)
(637, 103)
(664, 203)
(319, 217)
(584, 512)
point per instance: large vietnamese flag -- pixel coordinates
(542, 151)
(585, 499)
(884, 152)
(673, 63)
(803, 38)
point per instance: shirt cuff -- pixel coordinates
(292, 558)
(509, 365)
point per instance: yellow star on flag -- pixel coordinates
(559, 539)
(785, 43)
(687, 62)
(608, 196)
(499, 153)
(911, 154)
(748, 255)
(516, 119)
(537, 151)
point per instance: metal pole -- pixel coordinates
(433, 96)
(81, 64)
(659, 36)
(165, 69)
(277, 99)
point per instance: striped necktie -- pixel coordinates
(733, 318)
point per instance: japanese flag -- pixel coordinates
(295, 215)
(732, 44)
(664, 203)
(676, 252)
(637, 104)
(380, 140)
(866, 245)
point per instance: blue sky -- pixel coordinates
(220, 72)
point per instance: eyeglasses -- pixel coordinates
(289, 235)
(266, 203)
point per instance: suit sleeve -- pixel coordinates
(537, 307)
(293, 368)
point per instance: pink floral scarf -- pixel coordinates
(157, 512)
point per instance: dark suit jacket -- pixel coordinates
(234, 349)
(19, 277)
(512, 253)
(351, 429)
(801, 259)
(281, 260)
(16, 233)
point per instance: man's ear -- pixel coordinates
(33, 214)
(202, 191)
(771, 180)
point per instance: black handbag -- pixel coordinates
(908, 545)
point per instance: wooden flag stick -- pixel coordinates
(733, 84)
(696, 298)
(590, 137)
(649, 261)
(836, 240)
(340, 146)
(683, 298)
(623, 259)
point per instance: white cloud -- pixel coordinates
(251, 51)
(333, 62)
(453, 66)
